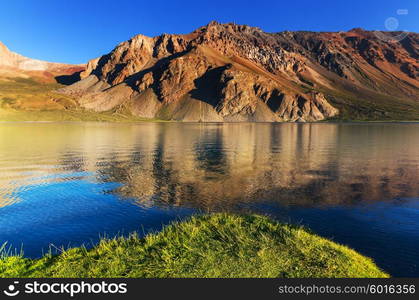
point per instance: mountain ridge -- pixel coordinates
(13, 64)
(230, 72)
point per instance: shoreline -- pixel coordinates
(72, 117)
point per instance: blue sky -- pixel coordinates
(75, 31)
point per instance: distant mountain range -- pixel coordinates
(229, 72)
(16, 65)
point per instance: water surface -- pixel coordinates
(67, 184)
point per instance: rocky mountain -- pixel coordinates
(229, 72)
(14, 65)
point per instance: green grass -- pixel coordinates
(217, 245)
(374, 107)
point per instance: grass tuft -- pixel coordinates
(217, 245)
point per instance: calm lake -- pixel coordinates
(67, 184)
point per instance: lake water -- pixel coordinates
(65, 184)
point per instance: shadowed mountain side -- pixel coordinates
(68, 79)
(228, 72)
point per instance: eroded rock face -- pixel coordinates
(228, 72)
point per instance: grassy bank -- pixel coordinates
(218, 245)
(29, 100)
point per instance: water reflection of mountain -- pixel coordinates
(216, 166)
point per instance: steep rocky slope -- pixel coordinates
(229, 72)
(13, 65)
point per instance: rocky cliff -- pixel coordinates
(229, 72)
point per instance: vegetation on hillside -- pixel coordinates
(30, 100)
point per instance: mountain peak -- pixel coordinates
(357, 29)
(3, 51)
(213, 23)
(232, 26)
(231, 72)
